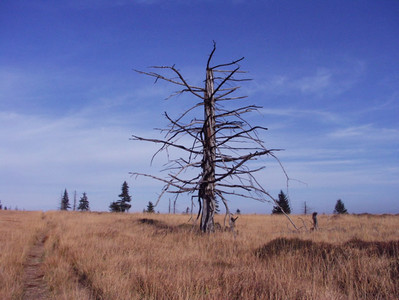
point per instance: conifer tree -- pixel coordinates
(150, 207)
(283, 204)
(125, 198)
(84, 203)
(340, 207)
(115, 207)
(123, 204)
(65, 201)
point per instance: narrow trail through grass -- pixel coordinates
(35, 286)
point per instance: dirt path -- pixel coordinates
(35, 286)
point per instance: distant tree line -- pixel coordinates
(7, 208)
(84, 204)
(283, 204)
(123, 204)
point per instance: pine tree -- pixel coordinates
(123, 204)
(115, 207)
(340, 207)
(283, 203)
(65, 201)
(84, 203)
(125, 198)
(150, 208)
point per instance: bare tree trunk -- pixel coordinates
(174, 206)
(74, 201)
(315, 223)
(207, 187)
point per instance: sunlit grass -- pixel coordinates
(18, 231)
(122, 256)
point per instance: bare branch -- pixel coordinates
(137, 138)
(210, 55)
(193, 89)
(229, 64)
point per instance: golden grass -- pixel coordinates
(18, 231)
(128, 256)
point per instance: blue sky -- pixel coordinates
(325, 72)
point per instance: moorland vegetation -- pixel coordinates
(89, 255)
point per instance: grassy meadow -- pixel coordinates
(157, 256)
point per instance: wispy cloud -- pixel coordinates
(367, 132)
(321, 115)
(312, 81)
(315, 84)
(65, 152)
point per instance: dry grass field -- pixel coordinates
(155, 256)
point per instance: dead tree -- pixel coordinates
(221, 143)
(315, 223)
(74, 201)
(233, 222)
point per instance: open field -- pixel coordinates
(128, 256)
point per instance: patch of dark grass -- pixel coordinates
(155, 223)
(86, 283)
(355, 267)
(281, 246)
(389, 249)
(163, 228)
